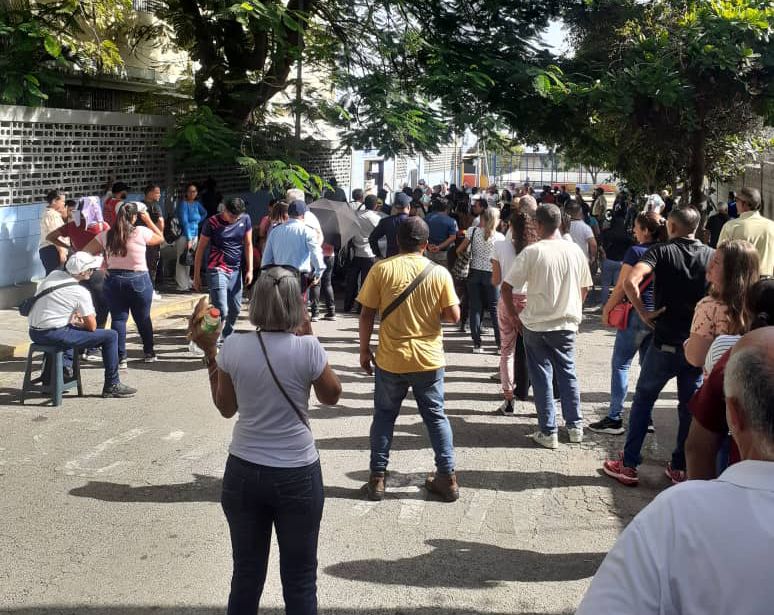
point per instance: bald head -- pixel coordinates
(749, 388)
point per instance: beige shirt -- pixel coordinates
(555, 272)
(50, 221)
(756, 229)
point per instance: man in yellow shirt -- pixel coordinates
(753, 227)
(410, 353)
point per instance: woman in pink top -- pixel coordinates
(128, 286)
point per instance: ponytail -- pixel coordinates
(654, 224)
(118, 235)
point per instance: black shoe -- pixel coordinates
(507, 407)
(118, 390)
(651, 428)
(609, 426)
(330, 316)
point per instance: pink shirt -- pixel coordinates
(135, 250)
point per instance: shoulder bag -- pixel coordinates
(25, 307)
(619, 315)
(407, 291)
(461, 267)
(300, 414)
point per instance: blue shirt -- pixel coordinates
(190, 216)
(442, 226)
(294, 244)
(631, 258)
(227, 241)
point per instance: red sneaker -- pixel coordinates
(676, 476)
(616, 469)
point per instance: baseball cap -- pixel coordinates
(402, 200)
(120, 187)
(297, 208)
(82, 261)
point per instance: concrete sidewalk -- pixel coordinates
(15, 341)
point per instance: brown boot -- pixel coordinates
(375, 486)
(444, 485)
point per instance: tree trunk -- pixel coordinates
(697, 167)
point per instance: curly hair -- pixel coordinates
(523, 230)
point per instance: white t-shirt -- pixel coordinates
(367, 221)
(481, 248)
(581, 233)
(504, 253)
(700, 548)
(50, 221)
(268, 431)
(55, 309)
(313, 221)
(555, 272)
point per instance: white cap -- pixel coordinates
(82, 261)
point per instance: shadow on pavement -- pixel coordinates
(219, 610)
(472, 565)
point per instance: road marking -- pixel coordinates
(174, 436)
(75, 465)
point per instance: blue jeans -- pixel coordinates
(659, 368)
(130, 291)
(610, 273)
(226, 295)
(389, 393)
(482, 296)
(549, 354)
(256, 498)
(70, 337)
(635, 338)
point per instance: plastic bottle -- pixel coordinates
(211, 320)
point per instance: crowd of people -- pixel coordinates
(523, 259)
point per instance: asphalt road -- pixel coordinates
(111, 507)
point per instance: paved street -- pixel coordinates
(111, 507)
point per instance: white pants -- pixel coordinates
(183, 273)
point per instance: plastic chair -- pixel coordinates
(51, 381)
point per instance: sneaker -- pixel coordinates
(122, 364)
(609, 426)
(547, 441)
(676, 476)
(92, 356)
(118, 390)
(478, 350)
(375, 487)
(315, 318)
(444, 485)
(330, 316)
(484, 330)
(576, 434)
(150, 358)
(651, 428)
(156, 295)
(616, 469)
(507, 407)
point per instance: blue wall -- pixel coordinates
(19, 238)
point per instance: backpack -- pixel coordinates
(172, 230)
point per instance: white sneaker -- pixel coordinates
(478, 350)
(547, 441)
(122, 364)
(576, 434)
(156, 295)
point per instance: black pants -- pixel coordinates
(256, 498)
(96, 286)
(49, 256)
(152, 258)
(356, 274)
(324, 288)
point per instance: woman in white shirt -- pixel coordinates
(273, 476)
(482, 294)
(51, 255)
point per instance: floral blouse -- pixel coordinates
(710, 318)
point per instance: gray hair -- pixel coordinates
(276, 304)
(751, 196)
(295, 194)
(528, 204)
(749, 379)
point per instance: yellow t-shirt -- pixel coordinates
(411, 339)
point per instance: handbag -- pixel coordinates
(300, 414)
(619, 315)
(461, 267)
(187, 258)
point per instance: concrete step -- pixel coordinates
(15, 340)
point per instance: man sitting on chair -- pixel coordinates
(65, 317)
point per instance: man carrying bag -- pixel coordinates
(413, 297)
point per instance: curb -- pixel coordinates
(184, 304)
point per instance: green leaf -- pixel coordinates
(53, 48)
